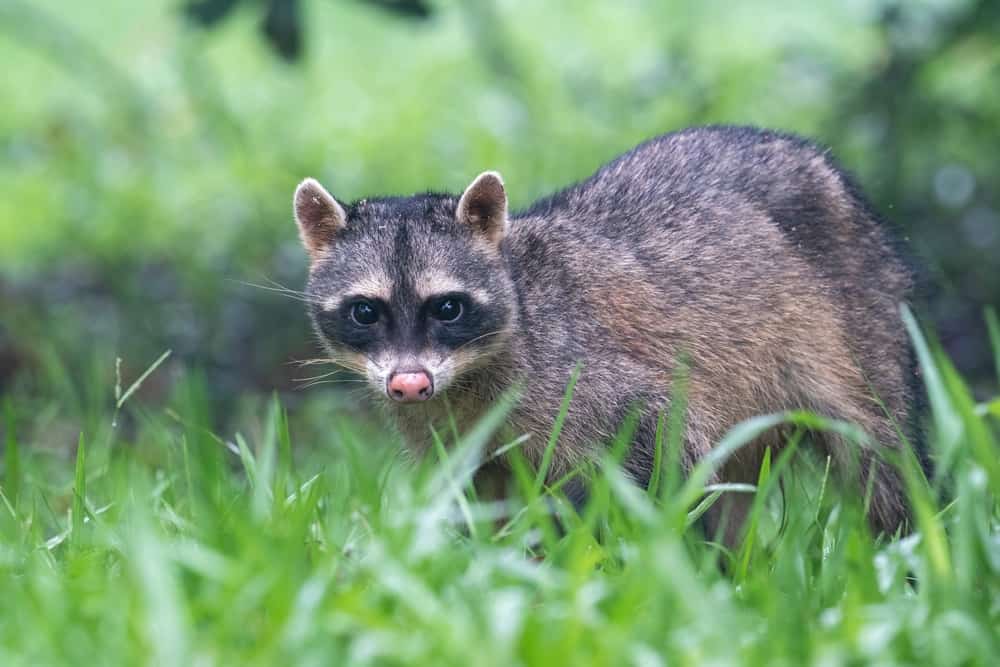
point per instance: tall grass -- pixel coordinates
(159, 542)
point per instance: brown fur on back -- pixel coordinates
(749, 254)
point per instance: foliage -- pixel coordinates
(161, 508)
(297, 543)
(282, 22)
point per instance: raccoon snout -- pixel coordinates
(410, 386)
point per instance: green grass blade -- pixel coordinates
(653, 489)
(989, 409)
(461, 463)
(633, 500)
(79, 491)
(283, 480)
(11, 454)
(248, 460)
(737, 437)
(993, 327)
(138, 383)
(454, 488)
(676, 421)
(550, 447)
(763, 482)
(948, 426)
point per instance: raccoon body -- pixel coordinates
(746, 255)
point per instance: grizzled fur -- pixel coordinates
(748, 253)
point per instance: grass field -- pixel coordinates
(159, 542)
(169, 510)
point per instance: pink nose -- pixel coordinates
(410, 386)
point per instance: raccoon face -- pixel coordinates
(410, 292)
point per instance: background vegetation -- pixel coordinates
(148, 152)
(147, 164)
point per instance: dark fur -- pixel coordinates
(748, 253)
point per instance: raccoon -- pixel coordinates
(748, 254)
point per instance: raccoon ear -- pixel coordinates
(318, 215)
(483, 206)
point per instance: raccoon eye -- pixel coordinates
(447, 310)
(364, 313)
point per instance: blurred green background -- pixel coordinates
(148, 151)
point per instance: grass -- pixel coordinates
(158, 511)
(305, 541)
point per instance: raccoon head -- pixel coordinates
(410, 292)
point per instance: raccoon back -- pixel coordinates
(748, 252)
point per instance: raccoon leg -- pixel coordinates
(888, 510)
(845, 396)
(491, 481)
(877, 480)
(726, 519)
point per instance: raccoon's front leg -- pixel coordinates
(726, 519)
